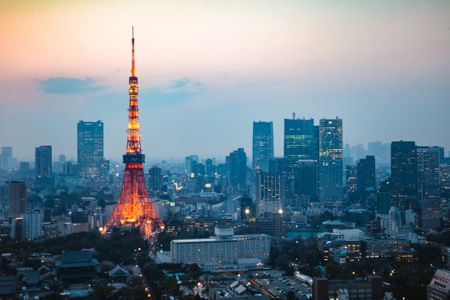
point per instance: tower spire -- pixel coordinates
(133, 67)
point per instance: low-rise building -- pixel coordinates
(372, 288)
(439, 287)
(224, 251)
(77, 267)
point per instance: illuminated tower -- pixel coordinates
(134, 207)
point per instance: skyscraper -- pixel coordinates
(428, 171)
(270, 193)
(306, 179)
(17, 197)
(32, 225)
(190, 162)
(43, 161)
(262, 145)
(6, 158)
(330, 160)
(210, 167)
(365, 175)
(300, 142)
(154, 181)
(428, 186)
(381, 151)
(404, 174)
(237, 169)
(90, 154)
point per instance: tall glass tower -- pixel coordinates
(90, 148)
(262, 145)
(300, 141)
(330, 160)
(404, 174)
(43, 161)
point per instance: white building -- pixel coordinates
(411, 218)
(395, 220)
(225, 251)
(269, 193)
(32, 225)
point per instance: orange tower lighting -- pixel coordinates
(134, 207)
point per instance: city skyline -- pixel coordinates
(259, 150)
(254, 61)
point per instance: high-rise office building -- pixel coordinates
(358, 151)
(4, 198)
(190, 162)
(262, 145)
(24, 167)
(428, 186)
(428, 171)
(330, 160)
(277, 165)
(210, 167)
(43, 161)
(444, 176)
(269, 193)
(404, 174)
(237, 169)
(365, 175)
(351, 179)
(154, 181)
(394, 220)
(381, 151)
(17, 197)
(384, 196)
(32, 225)
(306, 179)
(90, 153)
(6, 161)
(300, 142)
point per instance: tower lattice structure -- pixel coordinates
(134, 207)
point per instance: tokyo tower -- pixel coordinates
(134, 207)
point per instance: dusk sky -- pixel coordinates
(208, 69)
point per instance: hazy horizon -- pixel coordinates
(207, 70)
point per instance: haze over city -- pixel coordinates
(208, 69)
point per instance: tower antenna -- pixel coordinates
(133, 67)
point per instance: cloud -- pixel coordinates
(66, 85)
(176, 92)
(186, 84)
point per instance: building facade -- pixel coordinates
(365, 175)
(428, 186)
(439, 287)
(263, 150)
(224, 251)
(270, 190)
(17, 198)
(300, 142)
(43, 161)
(330, 160)
(6, 160)
(155, 181)
(90, 151)
(32, 225)
(237, 169)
